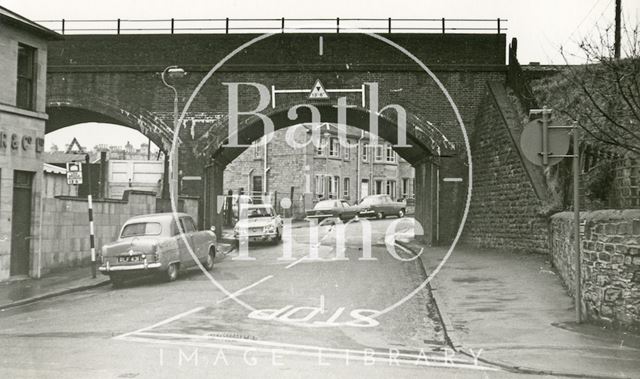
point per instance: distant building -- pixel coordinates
(23, 71)
(328, 171)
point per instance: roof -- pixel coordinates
(21, 22)
(60, 157)
(54, 169)
(157, 216)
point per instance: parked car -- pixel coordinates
(259, 223)
(154, 244)
(332, 208)
(381, 206)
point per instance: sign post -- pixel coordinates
(545, 144)
(91, 231)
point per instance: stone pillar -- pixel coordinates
(214, 179)
(425, 211)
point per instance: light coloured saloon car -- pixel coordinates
(156, 244)
(258, 223)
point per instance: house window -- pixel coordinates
(391, 188)
(347, 151)
(346, 188)
(379, 153)
(334, 187)
(25, 93)
(391, 155)
(334, 147)
(320, 148)
(365, 152)
(405, 187)
(378, 187)
(319, 185)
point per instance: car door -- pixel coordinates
(187, 238)
(200, 239)
(348, 211)
(388, 206)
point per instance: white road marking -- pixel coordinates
(244, 289)
(309, 351)
(296, 262)
(170, 319)
(320, 47)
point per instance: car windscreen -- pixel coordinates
(325, 204)
(141, 229)
(256, 212)
(371, 200)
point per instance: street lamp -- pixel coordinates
(174, 72)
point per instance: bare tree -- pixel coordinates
(603, 95)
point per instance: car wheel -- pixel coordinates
(379, 215)
(210, 257)
(401, 213)
(172, 272)
(117, 281)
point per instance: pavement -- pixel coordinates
(25, 290)
(514, 307)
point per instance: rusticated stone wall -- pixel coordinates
(610, 263)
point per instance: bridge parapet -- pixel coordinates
(271, 25)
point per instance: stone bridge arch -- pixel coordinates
(428, 145)
(66, 110)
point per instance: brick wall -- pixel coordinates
(610, 263)
(67, 217)
(505, 211)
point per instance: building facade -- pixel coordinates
(295, 164)
(23, 68)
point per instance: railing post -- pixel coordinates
(63, 26)
(172, 24)
(389, 25)
(498, 25)
(282, 27)
(226, 27)
(338, 25)
(118, 26)
(443, 29)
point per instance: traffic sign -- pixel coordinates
(531, 142)
(74, 173)
(318, 91)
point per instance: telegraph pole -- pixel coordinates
(616, 44)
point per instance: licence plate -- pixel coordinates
(255, 230)
(133, 258)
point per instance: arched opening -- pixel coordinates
(426, 147)
(125, 150)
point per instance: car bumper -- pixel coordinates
(367, 213)
(106, 269)
(258, 237)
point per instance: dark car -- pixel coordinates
(381, 206)
(332, 209)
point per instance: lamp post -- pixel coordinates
(173, 72)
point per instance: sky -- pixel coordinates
(542, 27)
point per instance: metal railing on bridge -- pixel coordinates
(271, 25)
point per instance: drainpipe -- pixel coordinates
(265, 168)
(358, 157)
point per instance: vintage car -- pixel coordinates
(381, 206)
(156, 244)
(325, 209)
(258, 223)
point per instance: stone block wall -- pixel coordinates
(64, 233)
(610, 264)
(505, 211)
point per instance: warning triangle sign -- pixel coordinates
(75, 143)
(318, 91)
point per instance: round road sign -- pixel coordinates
(531, 142)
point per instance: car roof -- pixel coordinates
(253, 206)
(156, 217)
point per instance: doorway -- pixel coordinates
(21, 223)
